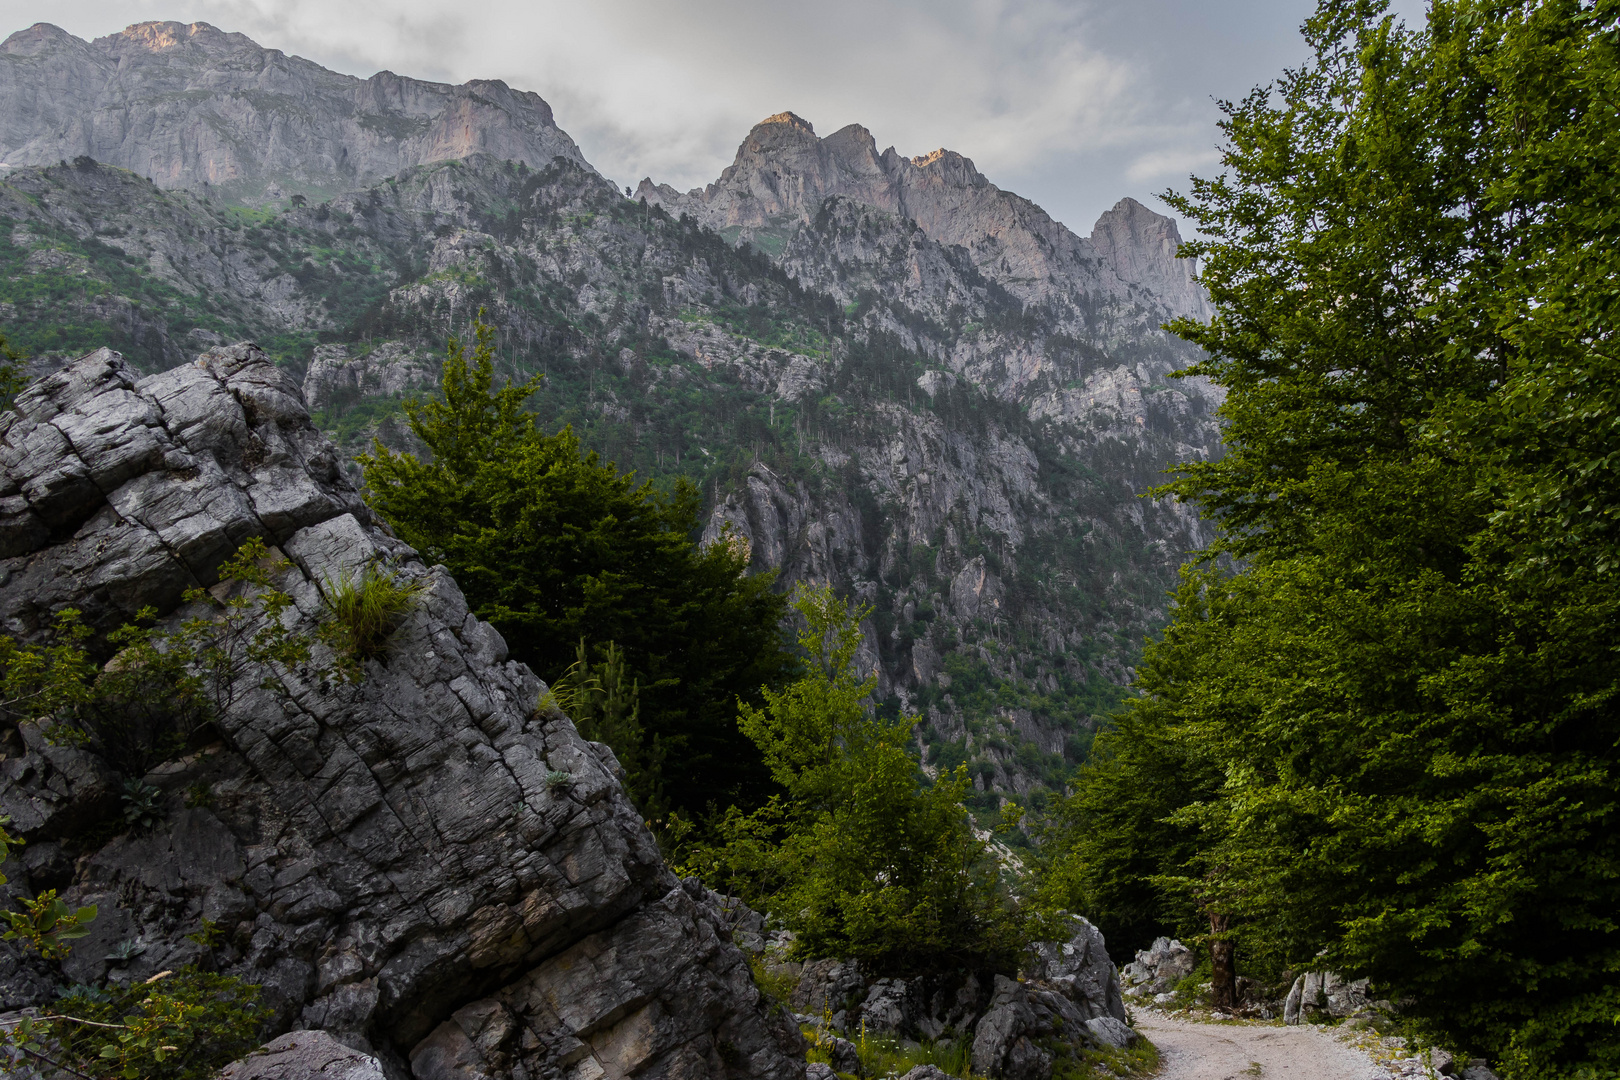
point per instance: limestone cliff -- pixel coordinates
(190, 106)
(783, 175)
(422, 862)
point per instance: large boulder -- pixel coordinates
(1158, 968)
(304, 1055)
(1029, 1028)
(421, 862)
(1079, 966)
(1325, 994)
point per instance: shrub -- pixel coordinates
(181, 1025)
(162, 686)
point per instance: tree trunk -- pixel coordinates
(1223, 969)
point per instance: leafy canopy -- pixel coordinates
(552, 546)
(1393, 723)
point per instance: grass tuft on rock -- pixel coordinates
(366, 610)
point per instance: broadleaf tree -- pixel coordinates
(1398, 661)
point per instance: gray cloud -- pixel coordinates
(1073, 103)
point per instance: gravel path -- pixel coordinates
(1192, 1051)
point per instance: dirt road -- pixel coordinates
(1194, 1051)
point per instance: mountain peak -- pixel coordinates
(193, 106)
(1142, 247)
(788, 118)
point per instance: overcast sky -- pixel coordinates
(1073, 103)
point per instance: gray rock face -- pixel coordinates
(1025, 1030)
(1141, 247)
(1080, 968)
(191, 106)
(1158, 968)
(390, 859)
(1325, 993)
(925, 1007)
(304, 1055)
(829, 987)
(334, 377)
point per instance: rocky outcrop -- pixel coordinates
(419, 863)
(190, 106)
(1158, 968)
(1326, 994)
(1029, 1028)
(1080, 968)
(304, 1055)
(338, 376)
(1067, 997)
(1142, 248)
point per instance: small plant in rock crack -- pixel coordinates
(125, 951)
(559, 780)
(209, 936)
(141, 805)
(366, 610)
(45, 924)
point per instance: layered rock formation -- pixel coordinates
(190, 106)
(418, 862)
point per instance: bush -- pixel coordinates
(181, 1025)
(161, 687)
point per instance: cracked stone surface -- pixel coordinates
(386, 858)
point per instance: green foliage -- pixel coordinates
(161, 686)
(38, 682)
(142, 807)
(604, 701)
(857, 858)
(1389, 735)
(11, 376)
(181, 1025)
(366, 610)
(552, 546)
(45, 924)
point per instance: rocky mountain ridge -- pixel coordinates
(783, 175)
(190, 106)
(955, 432)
